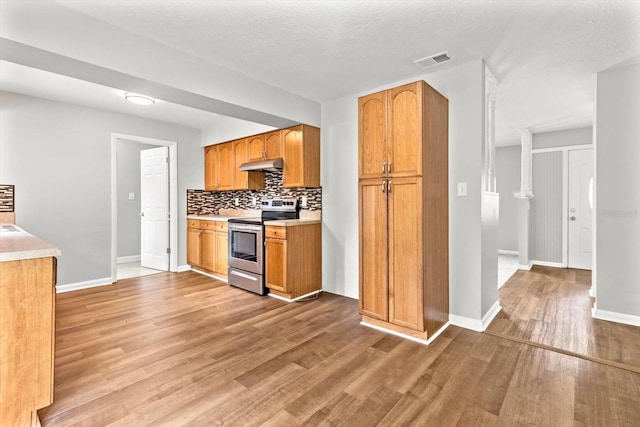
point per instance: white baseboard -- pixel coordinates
(466, 322)
(183, 268)
(125, 259)
(525, 267)
(612, 316)
(83, 285)
(506, 252)
(491, 314)
(547, 263)
(405, 336)
(301, 297)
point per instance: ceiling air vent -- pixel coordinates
(432, 60)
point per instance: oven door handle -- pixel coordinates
(245, 227)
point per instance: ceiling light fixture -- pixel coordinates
(136, 98)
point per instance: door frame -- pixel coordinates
(173, 198)
(565, 192)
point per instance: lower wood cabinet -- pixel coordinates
(207, 246)
(293, 259)
(27, 339)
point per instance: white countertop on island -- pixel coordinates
(16, 244)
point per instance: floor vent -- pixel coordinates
(432, 60)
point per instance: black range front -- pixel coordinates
(246, 244)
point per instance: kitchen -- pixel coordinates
(277, 177)
(69, 199)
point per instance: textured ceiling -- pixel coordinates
(544, 54)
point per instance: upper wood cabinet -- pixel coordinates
(299, 147)
(218, 163)
(273, 144)
(225, 165)
(390, 132)
(256, 147)
(403, 210)
(301, 156)
(211, 168)
(244, 180)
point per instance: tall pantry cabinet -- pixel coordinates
(403, 210)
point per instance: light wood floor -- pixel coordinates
(552, 306)
(185, 350)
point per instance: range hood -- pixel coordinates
(263, 165)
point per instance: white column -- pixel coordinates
(490, 139)
(524, 197)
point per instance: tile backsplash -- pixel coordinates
(200, 202)
(6, 198)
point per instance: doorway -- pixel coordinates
(580, 216)
(131, 252)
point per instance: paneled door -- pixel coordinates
(154, 204)
(580, 218)
(374, 285)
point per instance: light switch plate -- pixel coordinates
(304, 201)
(253, 201)
(132, 196)
(462, 189)
(237, 201)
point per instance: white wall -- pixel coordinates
(58, 157)
(508, 182)
(464, 87)
(617, 151)
(562, 138)
(224, 129)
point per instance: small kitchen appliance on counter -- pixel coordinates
(246, 243)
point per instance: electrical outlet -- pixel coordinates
(462, 189)
(253, 201)
(132, 196)
(237, 201)
(304, 201)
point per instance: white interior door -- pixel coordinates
(580, 240)
(154, 214)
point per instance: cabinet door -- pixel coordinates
(193, 246)
(256, 147)
(222, 251)
(404, 121)
(208, 249)
(405, 253)
(225, 164)
(210, 168)
(374, 290)
(240, 156)
(273, 144)
(293, 173)
(372, 135)
(276, 264)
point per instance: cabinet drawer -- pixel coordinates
(276, 232)
(193, 223)
(208, 225)
(221, 226)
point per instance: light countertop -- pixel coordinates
(212, 217)
(16, 244)
(292, 222)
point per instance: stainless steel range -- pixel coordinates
(246, 243)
